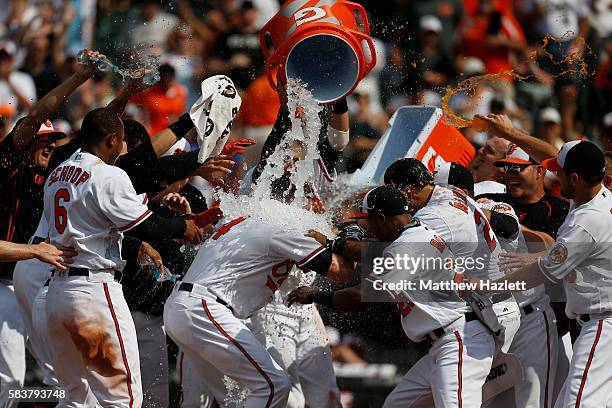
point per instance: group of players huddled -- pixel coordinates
(243, 313)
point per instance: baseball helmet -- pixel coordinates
(408, 172)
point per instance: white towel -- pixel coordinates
(213, 114)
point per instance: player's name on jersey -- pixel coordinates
(413, 285)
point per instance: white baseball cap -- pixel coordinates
(47, 130)
(550, 114)
(473, 66)
(9, 47)
(607, 119)
(515, 155)
(430, 23)
(578, 156)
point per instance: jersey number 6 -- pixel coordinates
(61, 215)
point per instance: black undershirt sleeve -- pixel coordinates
(130, 247)
(157, 228)
(176, 167)
(504, 225)
(320, 263)
(281, 127)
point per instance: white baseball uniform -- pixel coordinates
(458, 220)
(582, 258)
(234, 274)
(296, 339)
(536, 341)
(28, 278)
(89, 204)
(453, 372)
(12, 343)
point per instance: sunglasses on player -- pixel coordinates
(515, 168)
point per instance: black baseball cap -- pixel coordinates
(383, 200)
(408, 172)
(578, 156)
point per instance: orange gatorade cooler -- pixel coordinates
(416, 131)
(324, 43)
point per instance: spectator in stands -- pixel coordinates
(151, 27)
(607, 131)
(17, 89)
(492, 34)
(550, 127)
(238, 52)
(184, 54)
(434, 66)
(41, 64)
(164, 102)
(567, 22)
(602, 81)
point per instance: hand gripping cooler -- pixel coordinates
(325, 43)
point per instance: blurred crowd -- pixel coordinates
(561, 48)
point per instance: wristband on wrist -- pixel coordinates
(183, 125)
(336, 246)
(323, 298)
(340, 107)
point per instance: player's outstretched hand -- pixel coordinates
(321, 239)
(88, 69)
(238, 146)
(208, 217)
(58, 256)
(193, 234)
(496, 124)
(300, 295)
(510, 261)
(177, 203)
(147, 250)
(215, 169)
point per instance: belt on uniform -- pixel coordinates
(85, 272)
(188, 287)
(439, 332)
(37, 240)
(500, 297)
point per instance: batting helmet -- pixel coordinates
(408, 172)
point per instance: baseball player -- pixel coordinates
(535, 343)
(296, 339)
(453, 372)
(581, 259)
(89, 204)
(234, 274)
(28, 277)
(458, 220)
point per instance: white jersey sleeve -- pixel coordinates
(571, 249)
(295, 246)
(119, 202)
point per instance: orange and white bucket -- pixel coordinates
(324, 43)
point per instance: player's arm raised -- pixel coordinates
(500, 125)
(50, 103)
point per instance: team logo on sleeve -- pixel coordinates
(557, 254)
(502, 207)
